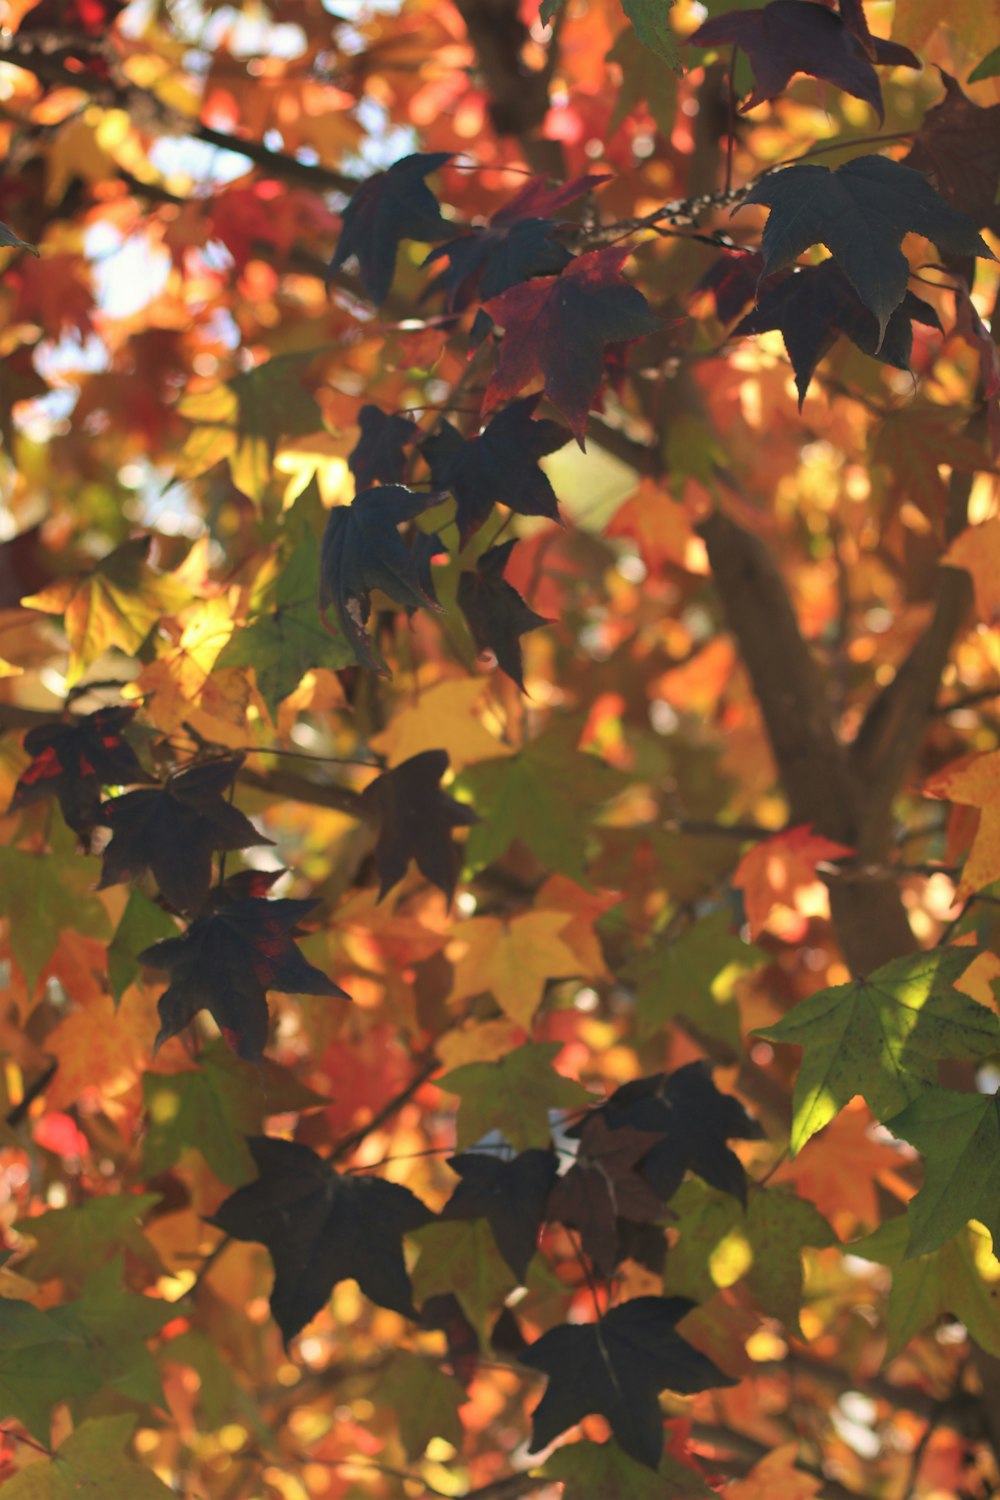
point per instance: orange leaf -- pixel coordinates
(512, 959)
(776, 1478)
(773, 872)
(975, 783)
(977, 550)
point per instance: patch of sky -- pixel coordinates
(128, 272)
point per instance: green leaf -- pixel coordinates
(114, 1325)
(424, 1399)
(217, 1390)
(41, 1363)
(603, 1471)
(764, 1244)
(882, 1037)
(271, 402)
(287, 638)
(463, 1258)
(924, 1287)
(73, 1243)
(143, 923)
(959, 1138)
(695, 976)
(213, 1108)
(89, 1462)
(988, 68)
(41, 895)
(643, 78)
(547, 10)
(651, 20)
(546, 796)
(513, 1096)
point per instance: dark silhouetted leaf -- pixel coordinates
(492, 258)
(559, 327)
(377, 457)
(795, 36)
(694, 1121)
(499, 466)
(496, 614)
(415, 822)
(174, 830)
(73, 761)
(510, 1195)
(602, 1185)
(812, 306)
(226, 962)
(860, 212)
(732, 280)
(958, 143)
(362, 550)
(390, 207)
(321, 1228)
(617, 1368)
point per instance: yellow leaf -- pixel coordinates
(975, 783)
(116, 604)
(513, 960)
(776, 1478)
(444, 715)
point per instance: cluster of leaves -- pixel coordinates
(461, 959)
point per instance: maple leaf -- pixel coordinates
(974, 782)
(546, 796)
(73, 762)
(602, 1186)
(285, 639)
(495, 612)
(494, 257)
(142, 923)
(977, 550)
(510, 1194)
(775, 1477)
(604, 1471)
(388, 208)
(37, 1368)
(114, 1325)
(73, 1243)
(514, 959)
(911, 443)
(958, 1136)
(617, 1367)
(924, 1287)
(694, 976)
(882, 1036)
(768, 1235)
(319, 1228)
(117, 603)
(212, 1108)
(693, 1120)
(463, 1258)
(559, 327)
(499, 465)
(225, 962)
(445, 714)
(91, 1458)
(42, 895)
(377, 457)
(513, 1095)
(415, 819)
(174, 830)
(860, 211)
(362, 550)
(774, 870)
(958, 144)
(425, 1401)
(794, 36)
(814, 305)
